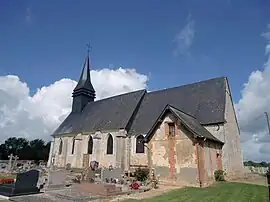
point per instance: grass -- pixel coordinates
(221, 192)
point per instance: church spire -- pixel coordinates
(84, 92)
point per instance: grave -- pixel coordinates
(108, 175)
(99, 189)
(26, 183)
(57, 179)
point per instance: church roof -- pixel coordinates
(204, 100)
(190, 122)
(106, 114)
(137, 111)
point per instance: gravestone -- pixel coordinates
(26, 183)
(90, 176)
(107, 175)
(94, 165)
(57, 179)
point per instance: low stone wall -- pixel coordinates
(259, 170)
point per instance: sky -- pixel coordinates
(139, 44)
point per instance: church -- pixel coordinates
(183, 133)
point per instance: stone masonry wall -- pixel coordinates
(173, 158)
(117, 159)
(232, 159)
(211, 153)
(135, 158)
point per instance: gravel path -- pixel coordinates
(64, 195)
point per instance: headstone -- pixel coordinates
(108, 174)
(68, 166)
(57, 179)
(94, 165)
(90, 176)
(26, 183)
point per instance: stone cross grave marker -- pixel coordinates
(15, 161)
(10, 164)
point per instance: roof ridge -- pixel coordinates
(189, 84)
(119, 95)
(182, 111)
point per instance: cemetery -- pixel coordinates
(25, 179)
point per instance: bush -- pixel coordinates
(219, 175)
(141, 174)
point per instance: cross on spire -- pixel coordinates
(89, 47)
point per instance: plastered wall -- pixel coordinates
(173, 158)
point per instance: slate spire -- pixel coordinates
(84, 92)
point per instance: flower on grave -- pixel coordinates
(6, 181)
(134, 185)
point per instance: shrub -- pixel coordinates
(219, 175)
(141, 174)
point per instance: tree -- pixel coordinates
(35, 149)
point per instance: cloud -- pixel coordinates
(251, 108)
(36, 116)
(184, 38)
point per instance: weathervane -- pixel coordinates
(88, 48)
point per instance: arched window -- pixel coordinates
(73, 146)
(60, 147)
(140, 144)
(90, 145)
(110, 144)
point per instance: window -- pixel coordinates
(110, 144)
(90, 145)
(140, 144)
(60, 147)
(73, 146)
(171, 129)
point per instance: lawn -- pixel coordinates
(226, 191)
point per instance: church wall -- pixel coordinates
(232, 159)
(99, 153)
(212, 151)
(137, 159)
(173, 158)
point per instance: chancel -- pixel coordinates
(184, 133)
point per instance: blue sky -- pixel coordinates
(166, 43)
(44, 41)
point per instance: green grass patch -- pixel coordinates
(220, 192)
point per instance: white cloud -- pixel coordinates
(185, 37)
(255, 100)
(38, 115)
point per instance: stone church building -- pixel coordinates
(184, 133)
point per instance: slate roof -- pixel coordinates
(85, 79)
(188, 121)
(204, 100)
(106, 114)
(193, 125)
